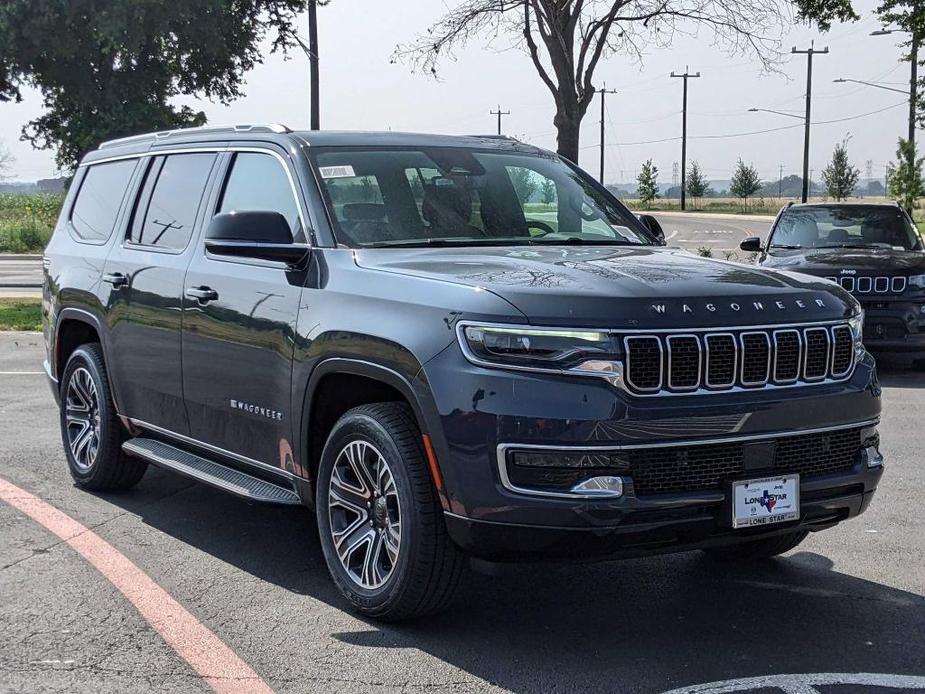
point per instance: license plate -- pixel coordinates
(765, 501)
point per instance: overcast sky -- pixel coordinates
(360, 89)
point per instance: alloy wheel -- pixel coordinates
(364, 514)
(83, 418)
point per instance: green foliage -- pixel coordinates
(525, 183)
(20, 314)
(705, 251)
(823, 13)
(839, 176)
(697, 184)
(745, 181)
(904, 181)
(26, 221)
(908, 16)
(112, 67)
(647, 181)
(548, 191)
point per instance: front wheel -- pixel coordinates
(379, 516)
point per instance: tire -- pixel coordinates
(758, 549)
(416, 569)
(90, 428)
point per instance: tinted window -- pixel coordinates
(170, 199)
(851, 226)
(99, 198)
(259, 182)
(455, 195)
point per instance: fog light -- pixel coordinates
(872, 457)
(606, 485)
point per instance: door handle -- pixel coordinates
(116, 279)
(203, 294)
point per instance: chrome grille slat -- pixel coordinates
(714, 361)
(879, 284)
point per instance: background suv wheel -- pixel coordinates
(380, 519)
(90, 428)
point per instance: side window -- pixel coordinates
(538, 198)
(169, 200)
(259, 182)
(93, 215)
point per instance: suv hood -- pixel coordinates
(612, 287)
(830, 261)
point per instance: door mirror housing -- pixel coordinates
(652, 224)
(259, 234)
(751, 245)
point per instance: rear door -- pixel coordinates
(145, 271)
(238, 341)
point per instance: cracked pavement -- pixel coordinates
(847, 600)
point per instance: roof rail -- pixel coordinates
(496, 137)
(163, 134)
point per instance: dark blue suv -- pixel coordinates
(445, 347)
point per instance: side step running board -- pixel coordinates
(209, 472)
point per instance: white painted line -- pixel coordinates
(21, 373)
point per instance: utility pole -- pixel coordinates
(780, 183)
(499, 113)
(313, 62)
(809, 53)
(685, 76)
(603, 92)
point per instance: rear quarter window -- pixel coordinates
(93, 216)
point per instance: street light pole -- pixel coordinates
(685, 76)
(603, 91)
(313, 61)
(809, 52)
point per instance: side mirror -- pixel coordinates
(651, 223)
(263, 235)
(751, 245)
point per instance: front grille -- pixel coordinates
(673, 470)
(871, 285)
(717, 361)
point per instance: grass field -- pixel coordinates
(27, 220)
(20, 314)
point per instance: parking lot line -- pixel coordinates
(207, 655)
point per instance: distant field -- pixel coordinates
(27, 220)
(769, 206)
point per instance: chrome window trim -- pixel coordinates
(735, 360)
(828, 352)
(503, 448)
(799, 355)
(902, 280)
(214, 449)
(767, 370)
(661, 362)
(696, 339)
(870, 285)
(851, 361)
(886, 287)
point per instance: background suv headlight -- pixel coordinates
(581, 352)
(917, 281)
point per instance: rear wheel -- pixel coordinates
(90, 428)
(758, 549)
(380, 519)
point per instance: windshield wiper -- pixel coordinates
(438, 242)
(846, 245)
(578, 241)
(784, 245)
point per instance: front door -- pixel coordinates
(145, 271)
(239, 322)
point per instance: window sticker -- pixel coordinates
(342, 171)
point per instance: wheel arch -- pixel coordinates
(74, 327)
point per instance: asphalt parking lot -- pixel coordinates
(850, 600)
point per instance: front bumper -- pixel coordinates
(894, 326)
(476, 410)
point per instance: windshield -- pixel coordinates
(458, 196)
(849, 226)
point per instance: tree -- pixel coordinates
(903, 180)
(112, 67)
(839, 176)
(6, 162)
(648, 184)
(745, 181)
(909, 17)
(566, 39)
(697, 184)
(525, 184)
(548, 191)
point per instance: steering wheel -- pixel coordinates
(542, 226)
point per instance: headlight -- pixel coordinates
(857, 330)
(917, 281)
(588, 352)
